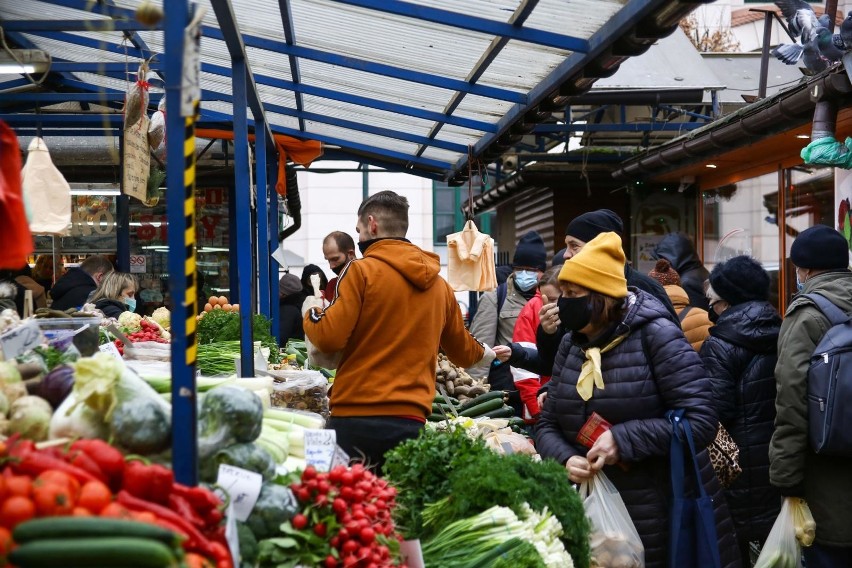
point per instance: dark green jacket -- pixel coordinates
(826, 480)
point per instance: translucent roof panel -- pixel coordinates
(412, 83)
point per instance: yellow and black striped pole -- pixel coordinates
(191, 298)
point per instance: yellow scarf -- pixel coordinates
(590, 373)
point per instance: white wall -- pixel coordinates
(330, 203)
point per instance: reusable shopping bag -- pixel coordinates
(692, 532)
(793, 528)
(471, 260)
(614, 540)
(47, 192)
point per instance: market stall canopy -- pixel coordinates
(420, 87)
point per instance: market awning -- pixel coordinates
(418, 87)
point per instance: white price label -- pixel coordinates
(319, 448)
(339, 458)
(21, 339)
(243, 488)
(110, 349)
(190, 85)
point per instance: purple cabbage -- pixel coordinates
(57, 385)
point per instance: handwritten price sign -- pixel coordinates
(242, 486)
(320, 446)
(20, 340)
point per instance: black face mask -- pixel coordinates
(338, 269)
(574, 313)
(364, 245)
(712, 315)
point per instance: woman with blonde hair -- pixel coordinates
(116, 294)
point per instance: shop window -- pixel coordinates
(742, 219)
(657, 211)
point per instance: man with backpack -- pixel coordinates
(800, 464)
(498, 311)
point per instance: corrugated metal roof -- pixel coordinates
(411, 84)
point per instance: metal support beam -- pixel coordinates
(473, 23)
(272, 238)
(522, 12)
(263, 252)
(228, 24)
(184, 423)
(242, 240)
(290, 39)
(122, 223)
(624, 127)
(87, 25)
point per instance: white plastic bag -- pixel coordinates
(317, 358)
(781, 549)
(614, 541)
(45, 189)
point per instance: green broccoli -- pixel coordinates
(275, 506)
(227, 415)
(247, 456)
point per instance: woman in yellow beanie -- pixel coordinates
(624, 359)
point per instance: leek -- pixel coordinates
(305, 420)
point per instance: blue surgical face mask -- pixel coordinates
(526, 279)
(131, 304)
(799, 284)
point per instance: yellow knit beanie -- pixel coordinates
(599, 266)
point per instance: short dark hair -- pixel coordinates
(389, 209)
(344, 241)
(605, 310)
(95, 264)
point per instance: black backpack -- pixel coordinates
(830, 384)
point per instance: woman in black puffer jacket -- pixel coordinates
(646, 368)
(740, 356)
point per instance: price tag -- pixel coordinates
(110, 349)
(339, 458)
(242, 486)
(232, 536)
(21, 339)
(319, 448)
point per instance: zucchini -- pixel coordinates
(478, 410)
(93, 553)
(436, 418)
(90, 527)
(517, 421)
(483, 398)
(445, 408)
(504, 411)
(439, 398)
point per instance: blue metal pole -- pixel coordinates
(184, 427)
(122, 216)
(242, 204)
(274, 315)
(264, 290)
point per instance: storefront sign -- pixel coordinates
(137, 160)
(137, 263)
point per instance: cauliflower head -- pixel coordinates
(130, 322)
(163, 317)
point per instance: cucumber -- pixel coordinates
(442, 408)
(493, 404)
(502, 412)
(483, 398)
(516, 421)
(436, 418)
(90, 527)
(93, 553)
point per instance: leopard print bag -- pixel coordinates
(725, 457)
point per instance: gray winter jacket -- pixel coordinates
(491, 330)
(824, 481)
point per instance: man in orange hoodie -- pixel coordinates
(391, 314)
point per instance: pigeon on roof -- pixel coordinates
(831, 46)
(801, 19)
(846, 30)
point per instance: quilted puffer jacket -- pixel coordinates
(654, 369)
(740, 357)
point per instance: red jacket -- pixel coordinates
(528, 383)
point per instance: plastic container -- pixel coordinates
(301, 390)
(83, 330)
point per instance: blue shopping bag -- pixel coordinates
(692, 531)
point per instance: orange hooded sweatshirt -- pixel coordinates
(391, 314)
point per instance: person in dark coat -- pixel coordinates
(306, 279)
(740, 357)
(678, 249)
(291, 296)
(74, 288)
(116, 294)
(644, 368)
